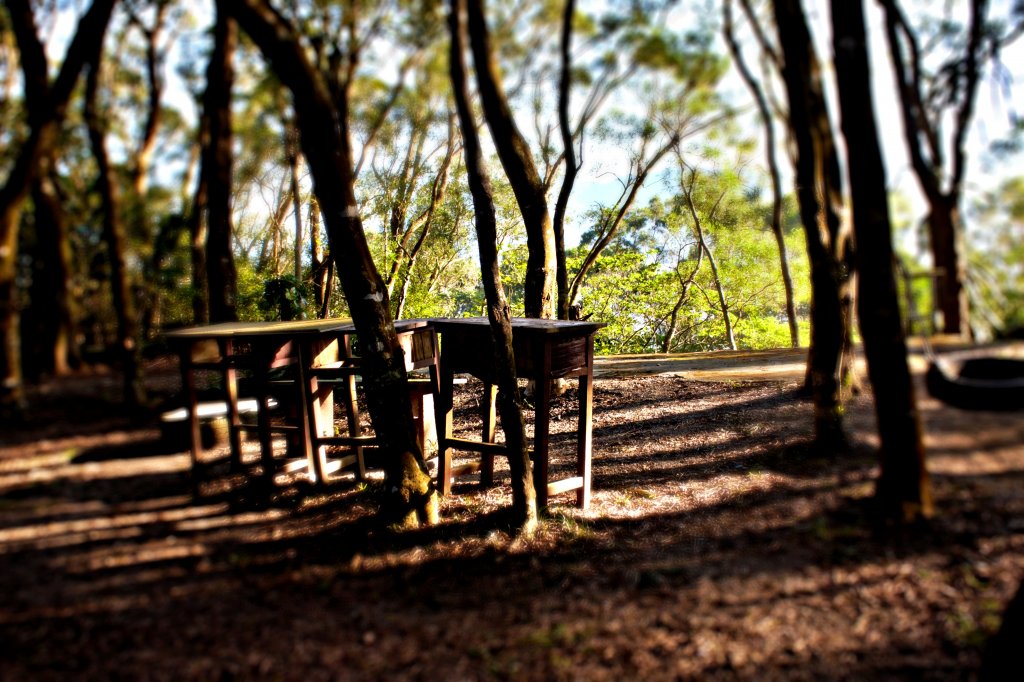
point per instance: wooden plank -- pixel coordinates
(476, 446)
(565, 485)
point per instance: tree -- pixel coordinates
(32, 162)
(820, 196)
(128, 342)
(572, 165)
(767, 121)
(216, 169)
(645, 160)
(498, 311)
(702, 244)
(930, 100)
(324, 135)
(903, 492)
(513, 150)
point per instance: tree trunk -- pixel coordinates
(325, 144)
(684, 290)
(945, 232)
(154, 109)
(524, 498)
(31, 160)
(572, 167)
(773, 168)
(424, 221)
(197, 242)
(217, 161)
(940, 174)
(818, 191)
(51, 337)
(114, 236)
(293, 168)
(540, 290)
(643, 169)
(702, 244)
(903, 492)
(320, 270)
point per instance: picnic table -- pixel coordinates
(317, 356)
(545, 350)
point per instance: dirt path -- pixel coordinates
(785, 364)
(719, 545)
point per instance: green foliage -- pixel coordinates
(640, 278)
(995, 227)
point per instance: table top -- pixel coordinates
(527, 324)
(290, 328)
(240, 329)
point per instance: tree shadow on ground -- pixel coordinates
(750, 578)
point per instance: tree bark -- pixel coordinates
(114, 235)
(524, 498)
(325, 144)
(540, 290)
(221, 276)
(903, 490)
(819, 194)
(31, 162)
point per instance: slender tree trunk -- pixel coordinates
(703, 245)
(217, 162)
(773, 168)
(197, 242)
(572, 167)
(524, 502)
(819, 194)
(540, 290)
(424, 221)
(154, 109)
(320, 271)
(684, 291)
(114, 236)
(31, 162)
(903, 491)
(323, 127)
(643, 169)
(293, 168)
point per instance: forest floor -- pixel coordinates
(719, 545)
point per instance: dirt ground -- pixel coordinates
(718, 546)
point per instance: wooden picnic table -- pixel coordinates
(318, 354)
(545, 350)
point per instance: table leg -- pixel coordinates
(261, 379)
(231, 398)
(188, 383)
(444, 406)
(540, 430)
(309, 421)
(584, 434)
(352, 410)
(487, 458)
